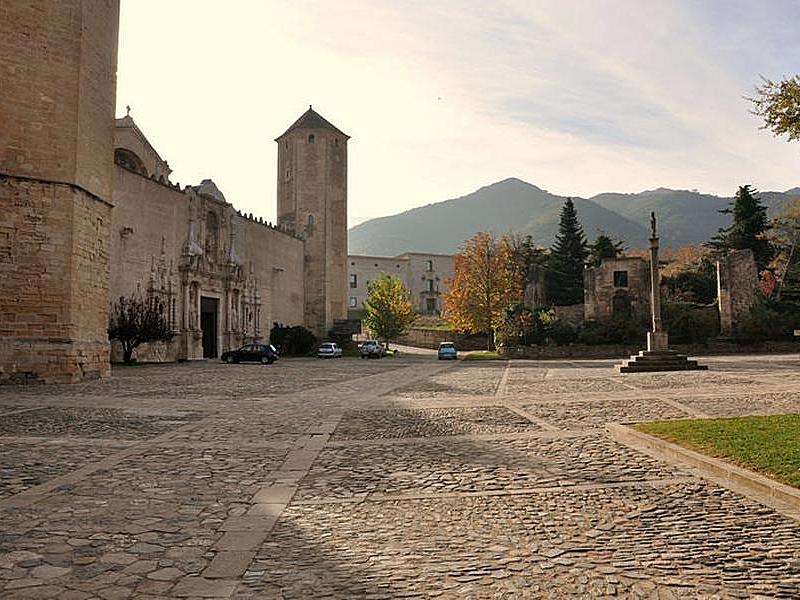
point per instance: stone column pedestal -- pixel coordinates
(657, 340)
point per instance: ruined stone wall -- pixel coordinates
(737, 281)
(56, 151)
(600, 292)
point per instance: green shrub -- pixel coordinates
(689, 323)
(770, 320)
(292, 341)
(691, 286)
(618, 331)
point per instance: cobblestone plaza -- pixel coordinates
(395, 478)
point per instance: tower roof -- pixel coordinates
(311, 119)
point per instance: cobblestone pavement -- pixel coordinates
(403, 477)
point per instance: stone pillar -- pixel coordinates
(58, 98)
(657, 338)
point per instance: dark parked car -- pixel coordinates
(266, 354)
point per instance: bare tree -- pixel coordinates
(135, 321)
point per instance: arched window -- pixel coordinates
(310, 220)
(310, 138)
(129, 160)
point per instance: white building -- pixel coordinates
(425, 275)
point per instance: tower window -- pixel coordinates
(335, 141)
(353, 302)
(429, 265)
(310, 220)
(310, 138)
(620, 279)
(353, 280)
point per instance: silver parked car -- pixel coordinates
(329, 350)
(447, 350)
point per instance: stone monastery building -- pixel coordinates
(222, 277)
(88, 213)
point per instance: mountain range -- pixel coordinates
(512, 205)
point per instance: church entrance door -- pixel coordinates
(209, 320)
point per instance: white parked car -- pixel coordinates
(447, 350)
(329, 350)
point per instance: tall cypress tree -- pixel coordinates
(567, 258)
(747, 230)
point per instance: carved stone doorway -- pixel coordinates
(209, 323)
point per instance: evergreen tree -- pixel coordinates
(567, 259)
(748, 229)
(604, 247)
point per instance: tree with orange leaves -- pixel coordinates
(488, 276)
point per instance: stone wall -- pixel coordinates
(54, 271)
(431, 338)
(58, 91)
(737, 281)
(580, 351)
(572, 314)
(56, 151)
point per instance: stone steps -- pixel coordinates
(659, 360)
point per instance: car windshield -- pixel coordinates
(447, 347)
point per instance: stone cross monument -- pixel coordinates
(658, 356)
(657, 338)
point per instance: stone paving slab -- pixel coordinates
(462, 380)
(428, 422)
(89, 422)
(519, 386)
(756, 403)
(627, 542)
(402, 477)
(24, 465)
(596, 412)
(448, 465)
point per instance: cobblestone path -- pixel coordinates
(398, 478)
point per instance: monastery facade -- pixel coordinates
(88, 214)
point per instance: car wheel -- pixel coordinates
(229, 360)
(264, 360)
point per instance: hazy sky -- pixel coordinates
(440, 98)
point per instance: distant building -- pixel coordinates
(425, 276)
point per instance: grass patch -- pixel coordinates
(767, 444)
(483, 355)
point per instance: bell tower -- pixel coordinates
(312, 202)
